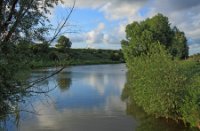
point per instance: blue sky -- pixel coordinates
(101, 23)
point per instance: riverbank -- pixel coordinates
(44, 64)
(54, 57)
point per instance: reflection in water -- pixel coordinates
(88, 99)
(146, 122)
(64, 81)
(78, 119)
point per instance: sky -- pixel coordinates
(101, 23)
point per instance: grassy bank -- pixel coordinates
(43, 64)
(55, 57)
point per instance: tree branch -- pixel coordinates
(20, 15)
(44, 78)
(59, 29)
(12, 11)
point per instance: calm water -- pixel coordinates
(84, 98)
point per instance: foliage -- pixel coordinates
(164, 87)
(148, 122)
(156, 82)
(160, 84)
(190, 109)
(179, 46)
(63, 43)
(75, 57)
(24, 19)
(12, 76)
(153, 30)
(21, 23)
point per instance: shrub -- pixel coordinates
(165, 87)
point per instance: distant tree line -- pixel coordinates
(42, 55)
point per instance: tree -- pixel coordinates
(161, 85)
(24, 19)
(152, 30)
(64, 43)
(21, 21)
(179, 46)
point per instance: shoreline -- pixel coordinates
(54, 65)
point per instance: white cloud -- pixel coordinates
(100, 27)
(113, 9)
(100, 36)
(182, 13)
(96, 35)
(176, 5)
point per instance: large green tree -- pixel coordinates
(152, 30)
(161, 85)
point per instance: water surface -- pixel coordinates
(85, 98)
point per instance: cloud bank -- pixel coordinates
(182, 13)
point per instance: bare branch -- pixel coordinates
(42, 92)
(44, 78)
(63, 24)
(57, 32)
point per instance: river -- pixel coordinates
(83, 98)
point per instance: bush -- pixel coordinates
(164, 87)
(190, 109)
(156, 81)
